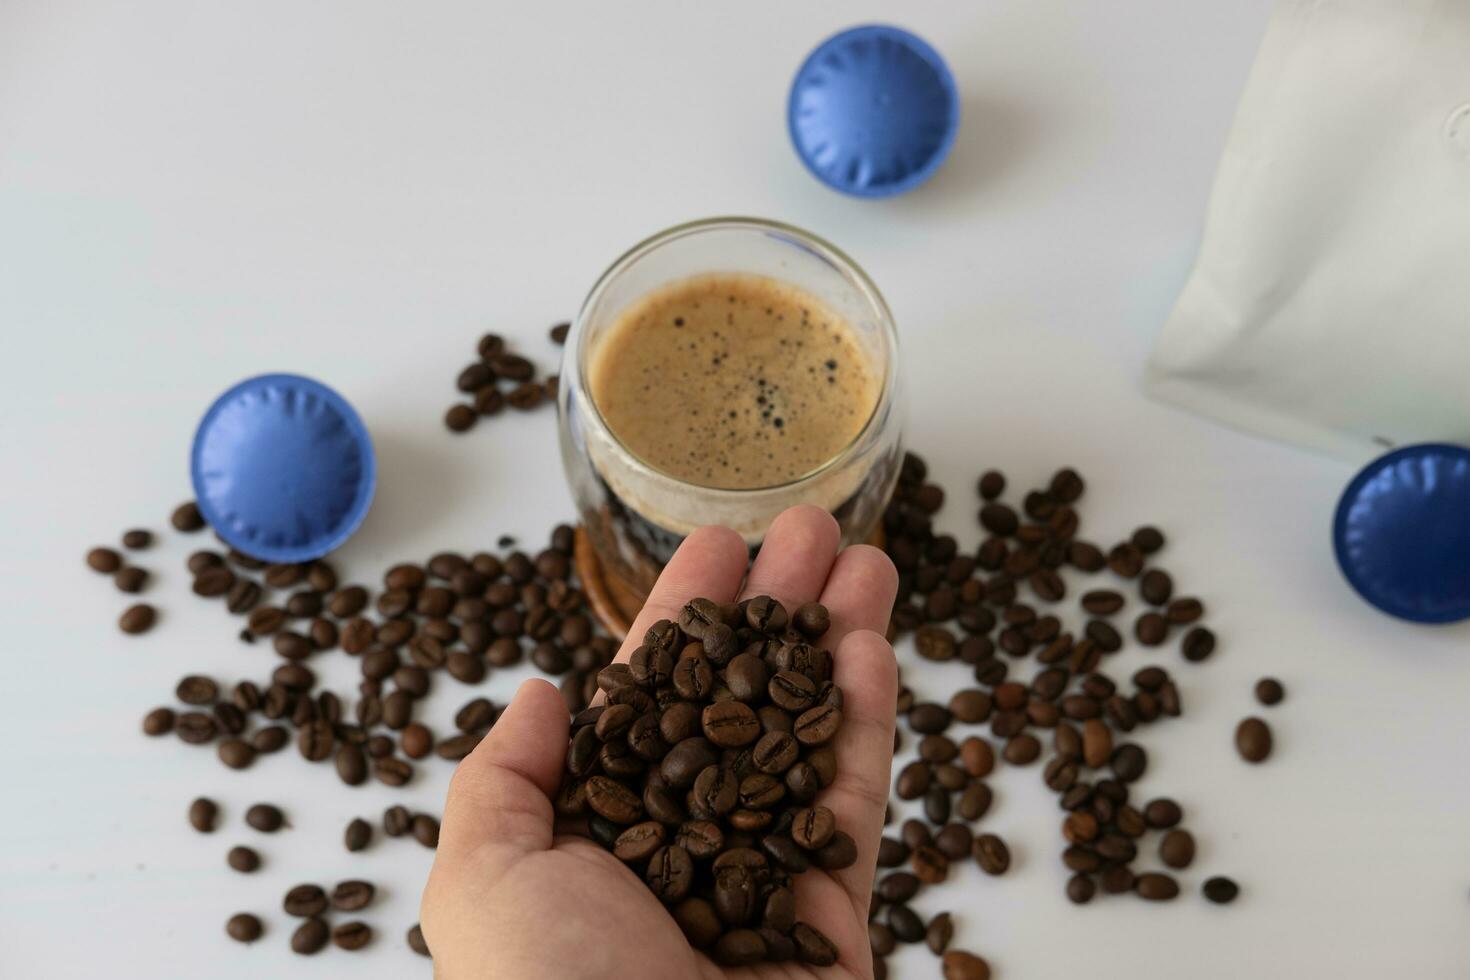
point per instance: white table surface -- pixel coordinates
(194, 192)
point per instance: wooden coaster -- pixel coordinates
(612, 601)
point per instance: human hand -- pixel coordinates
(508, 896)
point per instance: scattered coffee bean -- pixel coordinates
(137, 619)
(159, 721)
(991, 854)
(1156, 887)
(265, 818)
(1269, 691)
(352, 935)
(960, 965)
(203, 813)
(104, 560)
(310, 937)
(358, 835)
(243, 927)
(243, 859)
(416, 940)
(1220, 890)
(1253, 740)
(137, 538)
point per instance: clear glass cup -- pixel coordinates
(635, 515)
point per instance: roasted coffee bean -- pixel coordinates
(459, 418)
(1177, 849)
(813, 827)
(1080, 889)
(1253, 740)
(159, 721)
(1156, 887)
(1102, 602)
(1117, 880)
(352, 895)
(1104, 635)
(999, 519)
(397, 821)
(195, 727)
(310, 937)
(1156, 587)
(991, 854)
(391, 771)
(1198, 644)
(815, 726)
(358, 835)
(235, 753)
(732, 723)
(203, 814)
(425, 830)
(1151, 629)
(775, 752)
(137, 538)
(104, 560)
(913, 780)
(812, 620)
(791, 690)
(992, 484)
(305, 900)
(1184, 611)
(880, 939)
(1220, 890)
(970, 706)
(974, 801)
(941, 930)
(977, 756)
(197, 690)
(265, 818)
(352, 935)
(812, 947)
(1126, 560)
(930, 864)
(670, 873)
(1129, 762)
(613, 801)
(1269, 691)
(740, 947)
(131, 579)
(416, 942)
(243, 928)
(1097, 743)
(905, 923)
(838, 853)
(1022, 750)
(137, 619)
(213, 581)
(929, 718)
(934, 643)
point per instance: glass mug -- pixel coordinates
(633, 514)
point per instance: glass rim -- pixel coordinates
(799, 237)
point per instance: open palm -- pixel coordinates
(509, 897)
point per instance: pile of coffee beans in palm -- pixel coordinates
(996, 611)
(499, 378)
(703, 767)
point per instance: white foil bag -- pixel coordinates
(1329, 305)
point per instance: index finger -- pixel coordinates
(710, 564)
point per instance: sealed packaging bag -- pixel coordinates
(1330, 302)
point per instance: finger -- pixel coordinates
(501, 793)
(708, 565)
(795, 556)
(865, 668)
(859, 593)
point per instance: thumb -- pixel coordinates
(501, 794)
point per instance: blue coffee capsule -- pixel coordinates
(873, 111)
(283, 468)
(1402, 533)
